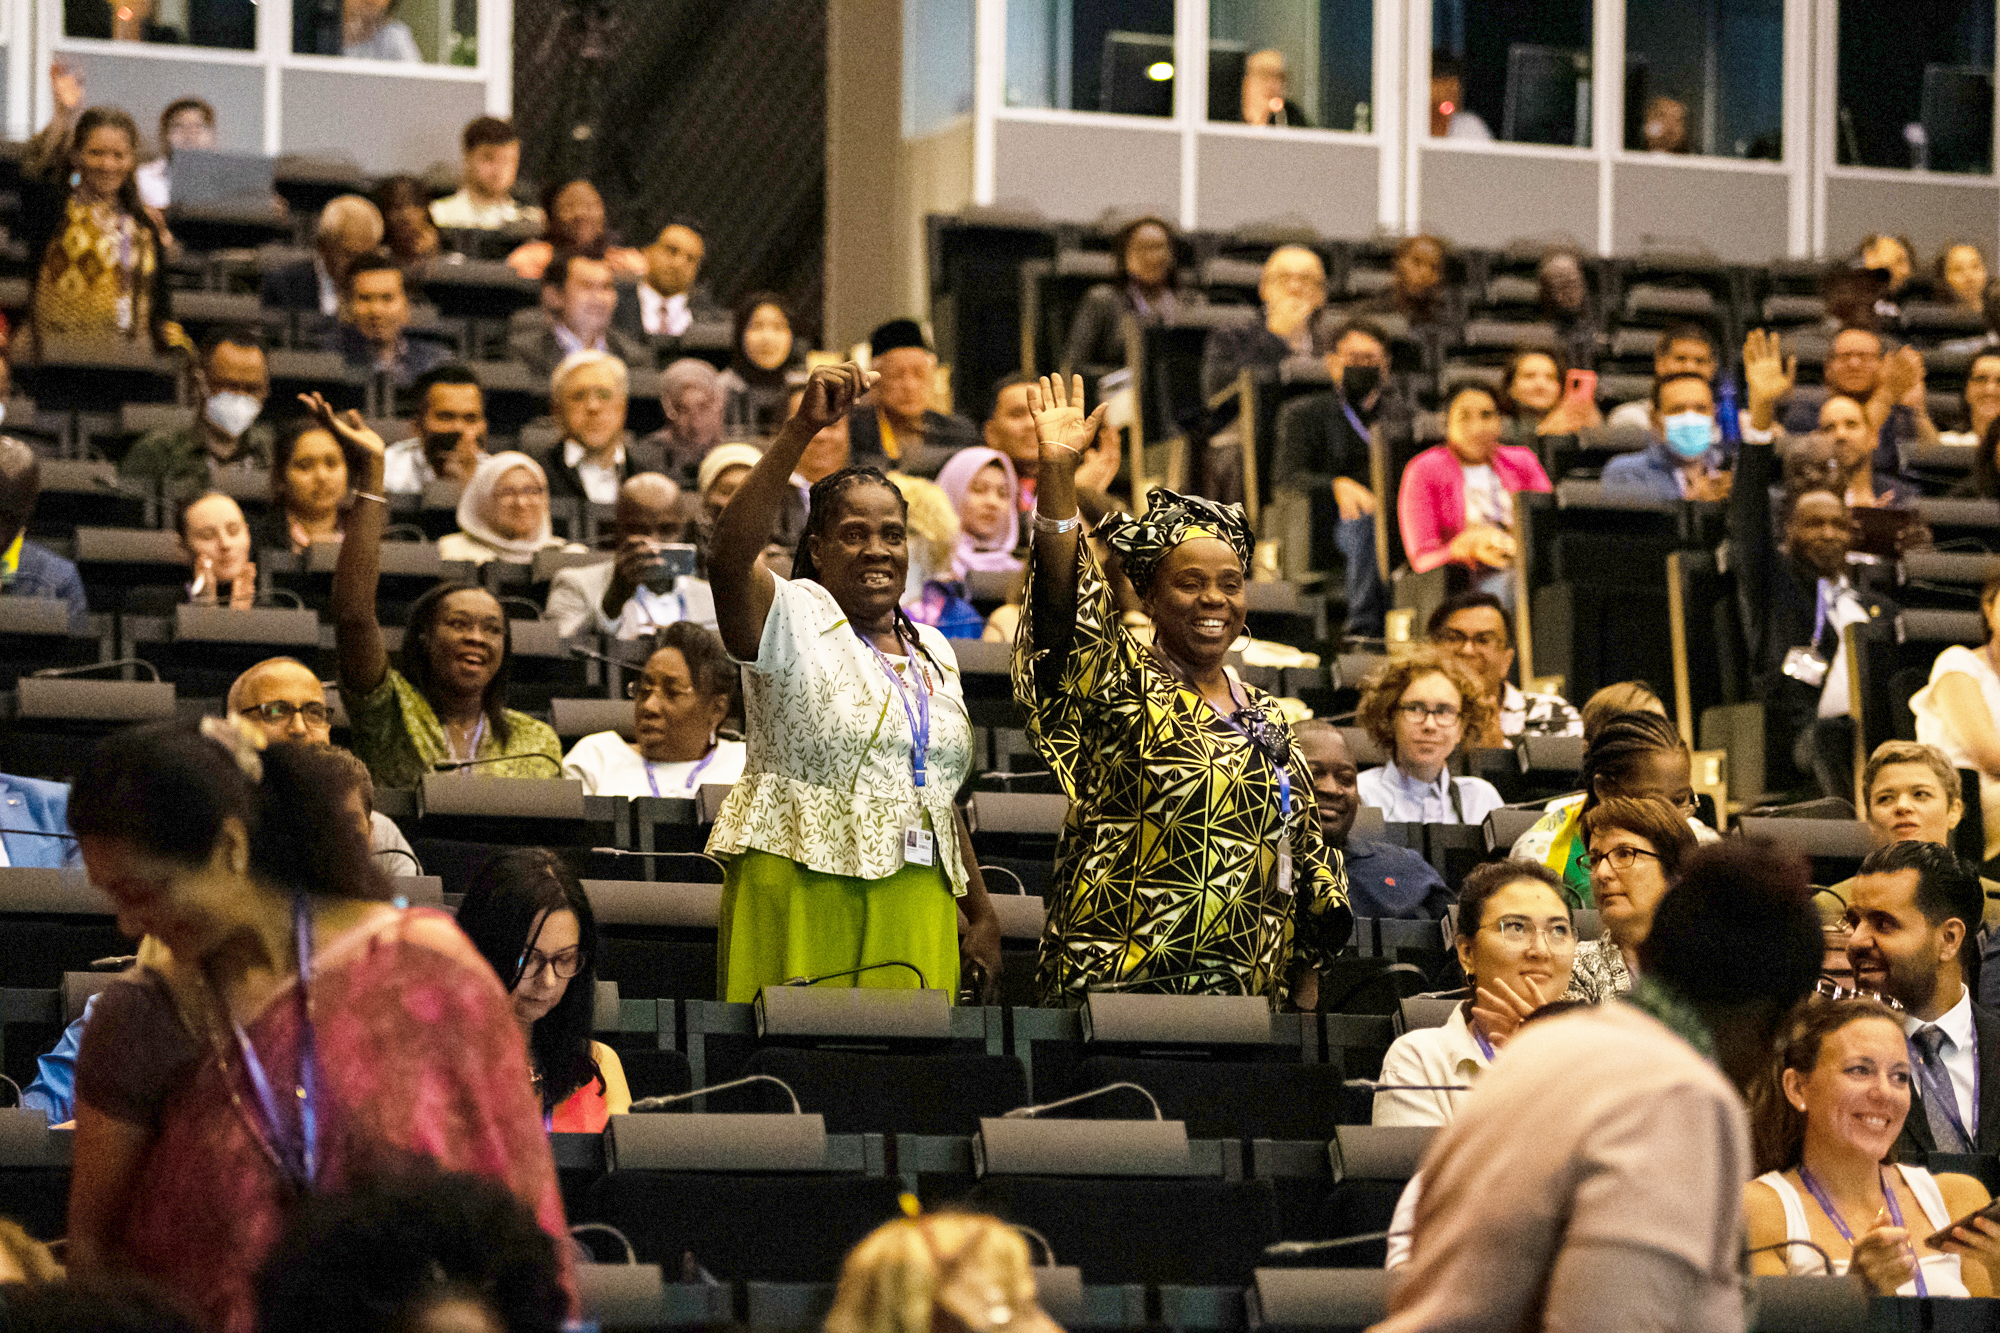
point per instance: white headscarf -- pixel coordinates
(476, 507)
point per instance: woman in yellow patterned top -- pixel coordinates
(1191, 860)
(101, 273)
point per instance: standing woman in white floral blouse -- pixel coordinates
(841, 844)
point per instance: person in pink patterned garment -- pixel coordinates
(287, 1030)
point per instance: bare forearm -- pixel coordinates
(364, 658)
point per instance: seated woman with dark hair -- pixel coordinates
(574, 222)
(448, 703)
(1636, 848)
(311, 474)
(1825, 1137)
(529, 917)
(1142, 292)
(1516, 941)
(1419, 708)
(408, 233)
(1532, 398)
(1456, 502)
(215, 538)
(767, 360)
(687, 688)
(290, 1030)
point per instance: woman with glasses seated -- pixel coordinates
(1418, 709)
(526, 912)
(1516, 941)
(447, 705)
(1633, 754)
(1636, 849)
(503, 513)
(687, 689)
(1831, 1199)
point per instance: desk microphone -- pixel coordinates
(578, 650)
(38, 833)
(1029, 1112)
(655, 1103)
(1374, 1086)
(52, 673)
(454, 765)
(1288, 1247)
(855, 972)
(117, 487)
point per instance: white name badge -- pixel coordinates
(919, 847)
(1285, 868)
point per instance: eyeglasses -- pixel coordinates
(1515, 931)
(1442, 714)
(645, 685)
(1485, 640)
(1621, 858)
(1827, 989)
(280, 711)
(562, 965)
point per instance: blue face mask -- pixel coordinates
(1690, 435)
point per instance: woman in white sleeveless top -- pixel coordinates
(1844, 1091)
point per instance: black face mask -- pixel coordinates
(439, 445)
(1357, 382)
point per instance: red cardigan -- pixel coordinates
(1430, 506)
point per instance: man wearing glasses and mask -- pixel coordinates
(1476, 629)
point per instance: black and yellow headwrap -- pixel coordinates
(1142, 543)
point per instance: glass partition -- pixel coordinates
(1303, 63)
(230, 24)
(1706, 77)
(937, 63)
(1915, 86)
(1092, 55)
(432, 32)
(1517, 70)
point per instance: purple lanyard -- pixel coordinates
(920, 714)
(302, 1162)
(1354, 419)
(1833, 1215)
(1485, 1046)
(706, 760)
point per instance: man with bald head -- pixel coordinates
(26, 570)
(638, 590)
(349, 227)
(283, 698)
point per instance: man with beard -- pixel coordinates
(1914, 913)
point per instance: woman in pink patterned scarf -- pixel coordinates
(287, 1032)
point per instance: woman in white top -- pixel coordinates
(1420, 708)
(503, 513)
(1826, 1132)
(841, 845)
(678, 701)
(1957, 710)
(1516, 941)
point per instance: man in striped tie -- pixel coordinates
(1914, 912)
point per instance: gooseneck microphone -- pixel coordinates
(857, 971)
(1373, 1085)
(655, 1103)
(1288, 1247)
(454, 765)
(1029, 1112)
(52, 673)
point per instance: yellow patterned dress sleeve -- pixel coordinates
(1098, 680)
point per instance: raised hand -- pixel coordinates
(1060, 424)
(347, 427)
(1099, 467)
(831, 391)
(66, 86)
(1768, 374)
(1903, 377)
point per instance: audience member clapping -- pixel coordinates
(679, 703)
(1141, 291)
(1634, 755)
(231, 381)
(579, 296)
(1961, 276)
(1982, 409)
(374, 321)
(1456, 505)
(251, 872)
(1418, 708)
(1636, 849)
(896, 428)
(766, 361)
(408, 233)
(1889, 387)
(938, 1271)
(981, 486)
(1958, 711)
(1683, 458)
(692, 400)
(934, 593)
(1475, 628)
(640, 588)
(485, 197)
(1516, 939)
(1827, 1134)
(1683, 349)
(503, 513)
(414, 1251)
(215, 538)
(448, 704)
(451, 432)
(573, 223)
(589, 391)
(311, 474)
(1383, 880)
(530, 919)
(1627, 696)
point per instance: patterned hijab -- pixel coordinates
(1142, 543)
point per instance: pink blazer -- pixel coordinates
(1430, 506)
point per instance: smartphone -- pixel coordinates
(668, 561)
(1937, 1239)
(1581, 384)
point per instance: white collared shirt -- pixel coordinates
(405, 470)
(663, 316)
(570, 343)
(600, 483)
(1960, 1053)
(1445, 1055)
(1402, 799)
(329, 290)
(1848, 609)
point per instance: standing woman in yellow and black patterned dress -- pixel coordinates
(1191, 860)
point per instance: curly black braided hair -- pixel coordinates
(820, 507)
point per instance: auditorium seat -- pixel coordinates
(1262, 1099)
(1143, 1230)
(1371, 1166)
(781, 1228)
(876, 1093)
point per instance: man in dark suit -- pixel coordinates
(1914, 911)
(1322, 453)
(589, 392)
(26, 570)
(579, 294)
(349, 227)
(894, 427)
(1383, 880)
(1794, 593)
(667, 302)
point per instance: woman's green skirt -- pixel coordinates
(781, 920)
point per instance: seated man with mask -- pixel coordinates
(451, 433)
(231, 382)
(638, 590)
(1683, 458)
